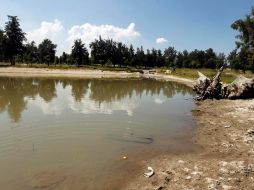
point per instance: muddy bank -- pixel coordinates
(226, 160)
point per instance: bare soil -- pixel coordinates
(225, 160)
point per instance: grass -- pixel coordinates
(228, 75)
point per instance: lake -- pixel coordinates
(63, 133)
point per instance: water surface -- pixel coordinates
(72, 133)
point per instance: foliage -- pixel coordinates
(79, 53)
(243, 56)
(47, 51)
(14, 38)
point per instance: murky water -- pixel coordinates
(73, 133)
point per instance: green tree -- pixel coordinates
(2, 45)
(244, 53)
(160, 62)
(131, 55)
(63, 58)
(31, 53)
(79, 53)
(14, 38)
(170, 55)
(47, 51)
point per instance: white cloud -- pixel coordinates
(54, 31)
(89, 106)
(159, 101)
(49, 30)
(88, 32)
(51, 108)
(161, 40)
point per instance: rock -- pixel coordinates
(227, 126)
(248, 140)
(181, 161)
(188, 178)
(150, 173)
(250, 132)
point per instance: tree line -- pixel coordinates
(15, 48)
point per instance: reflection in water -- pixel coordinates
(88, 96)
(73, 133)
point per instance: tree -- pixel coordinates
(244, 53)
(170, 55)
(160, 62)
(63, 58)
(31, 53)
(79, 53)
(47, 51)
(140, 58)
(14, 38)
(131, 55)
(2, 45)
(210, 59)
(99, 51)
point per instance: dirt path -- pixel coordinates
(226, 159)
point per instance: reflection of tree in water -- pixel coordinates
(110, 90)
(79, 89)
(14, 90)
(46, 89)
(12, 95)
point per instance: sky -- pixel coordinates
(184, 24)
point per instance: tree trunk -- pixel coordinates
(206, 88)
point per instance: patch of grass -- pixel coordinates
(228, 75)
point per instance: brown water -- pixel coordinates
(73, 133)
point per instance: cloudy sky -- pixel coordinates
(184, 24)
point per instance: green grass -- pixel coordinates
(228, 75)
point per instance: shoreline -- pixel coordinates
(224, 133)
(85, 73)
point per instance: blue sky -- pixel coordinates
(184, 24)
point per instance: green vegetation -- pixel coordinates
(111, 55)
(227, 76)
(243, 56)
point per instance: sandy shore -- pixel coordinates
(84, 73)
(225, 135)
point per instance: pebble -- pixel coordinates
(188, 177)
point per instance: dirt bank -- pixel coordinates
(226, 160)
(84, 73)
